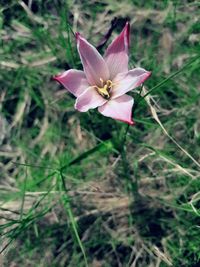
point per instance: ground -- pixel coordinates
(73, 190)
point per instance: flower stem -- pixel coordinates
(131, 185)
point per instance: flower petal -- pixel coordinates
(119, 109)
(116, 55)
(94, 65)
(125, 82)
(89, 99)
(73, 80)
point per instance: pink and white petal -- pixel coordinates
(89, 99)
(116, 55)
(119, 109)
(94, 65)
(125, 82)
(74, 81)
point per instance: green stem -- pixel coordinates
(132, 185)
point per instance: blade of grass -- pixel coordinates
(72, 220)
(23, 195)
(168, 78)
(100, 147)
(155, 116)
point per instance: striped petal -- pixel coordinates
(74, 81)
(125, 82)
(116, 55)
(89, 99)
(119, 109)
(94, 65)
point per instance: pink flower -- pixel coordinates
(105, 80)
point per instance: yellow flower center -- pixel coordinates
(105, 88)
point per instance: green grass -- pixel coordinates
(70, 193)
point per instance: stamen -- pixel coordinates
(105, 88)
(101, 80)
(109, 84)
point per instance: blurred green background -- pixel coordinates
(68, 195)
